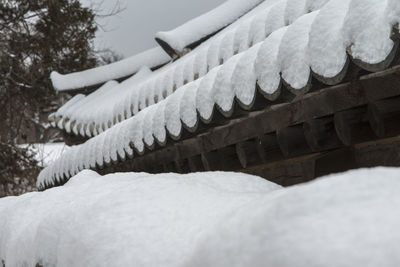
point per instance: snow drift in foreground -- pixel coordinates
(134, 219)
(206, 219)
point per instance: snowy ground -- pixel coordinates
(205, 219)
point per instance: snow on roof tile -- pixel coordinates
(151, 58)
(178, 39)
(81, 112)
(223, 15)
(236, 38)
(290, 55)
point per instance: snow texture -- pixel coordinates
(133, 219)
(150, 58)
(205, 219)
(315, 42)
(348, 219)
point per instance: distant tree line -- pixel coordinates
(36, 37)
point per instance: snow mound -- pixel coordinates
(205, 219)
(132, 219)
(349, 219)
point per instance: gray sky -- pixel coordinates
(133, 30)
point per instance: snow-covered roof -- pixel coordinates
(172, 220)
(316, 44)
(176, 40)
(151, 58)
(166, 80)
(89, 115)
(250, 29)
(193, 31)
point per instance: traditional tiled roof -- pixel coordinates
(278, 46)
(92, 114)
(250, 29)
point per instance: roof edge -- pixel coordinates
(204, 26)
(152, 58)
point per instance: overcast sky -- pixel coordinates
(133, 30)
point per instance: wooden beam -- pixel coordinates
(384, 117)
(195, 164)
(268, 148)
(247, 152)
(292, 141)
(211, 161)
(352, 126)
(320, 134)
(304, 168)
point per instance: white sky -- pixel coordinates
(133, 30)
